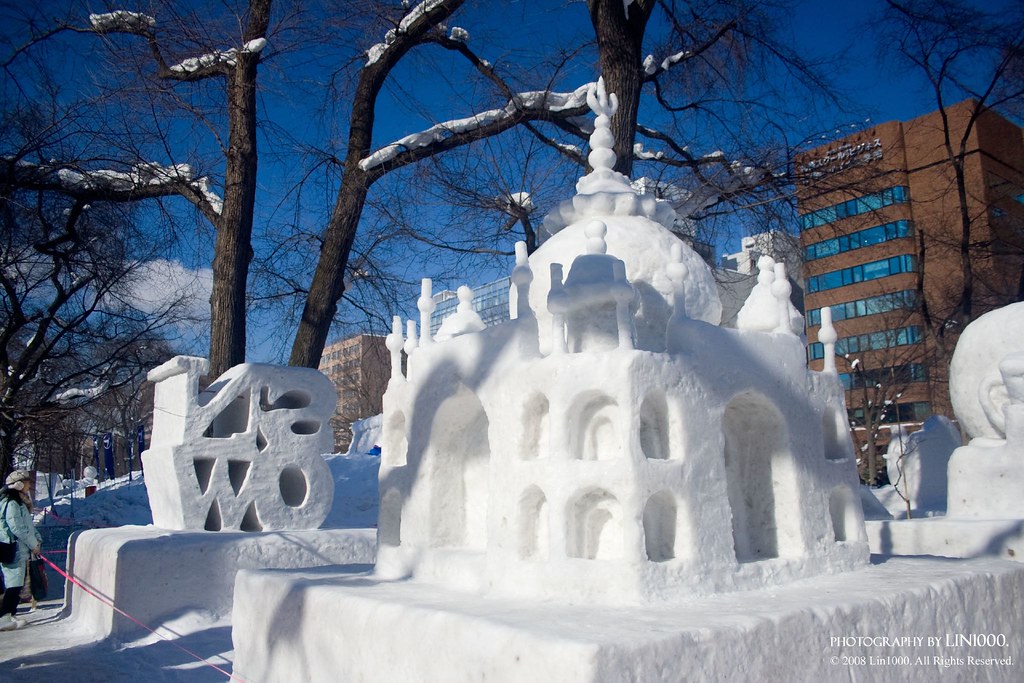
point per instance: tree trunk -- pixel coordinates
(329, 278)
(233, 246)
(620, 42)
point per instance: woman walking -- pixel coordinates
(16, 527)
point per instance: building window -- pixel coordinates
(918, 411)
(855, 207)
(905, 300)
(861, 273)
(873, 341)
(490, 301)
(858, 240)
(896, 375)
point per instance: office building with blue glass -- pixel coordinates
(882, 233)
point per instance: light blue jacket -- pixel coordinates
(16, 524)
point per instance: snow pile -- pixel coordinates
(116, 502)
(120, 502)
(917, 462)
(365, 436)
(355, 491)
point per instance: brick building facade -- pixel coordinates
(359, 366)
(882, 226)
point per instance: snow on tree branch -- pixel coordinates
(652, 67)
(122, 21)
(140, 181)
(221, 58)
(374, 54)
(532, 101)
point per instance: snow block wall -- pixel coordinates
(243, 454)
(634, 450)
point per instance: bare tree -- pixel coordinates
(71, 311)
(964, 52)
(232, 217)
(700, 41)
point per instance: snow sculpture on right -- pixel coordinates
(612, 443)
(986, 385)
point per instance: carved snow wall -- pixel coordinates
(243, 454)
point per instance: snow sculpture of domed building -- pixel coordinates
(611, 443)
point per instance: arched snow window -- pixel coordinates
(597, 435)
(660, 521)
(595, 527)
(536, 422)
(842, 510)
(654, 440)
(533, 524)
(833, 428)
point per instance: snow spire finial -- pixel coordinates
(557, 305)
(426, 306)
(394, 342)
(595, 233)
(522, 276)
(827, 336)
(677, 273)
(604, 104)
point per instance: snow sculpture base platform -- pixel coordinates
(321, 625)
(945, 537)
(154, 574)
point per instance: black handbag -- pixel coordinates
(7, 550)
(37, 577)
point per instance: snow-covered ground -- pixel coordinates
(54, 648)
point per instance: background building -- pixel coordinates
(359, 367)
(910, 230)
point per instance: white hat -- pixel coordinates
(17, 476)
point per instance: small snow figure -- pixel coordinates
(761, 311)
(464, 320)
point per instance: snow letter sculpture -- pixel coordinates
(986, 385)
(245, 454)
(611, 443)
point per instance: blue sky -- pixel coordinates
(525, 30)
(871, 92)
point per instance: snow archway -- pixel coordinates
(460, 457)
(759, 480)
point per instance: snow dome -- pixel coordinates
(611, 443)
(637, 233)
